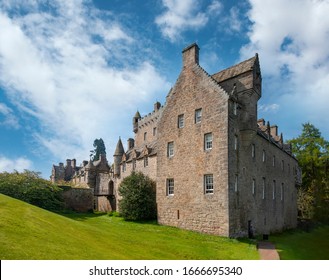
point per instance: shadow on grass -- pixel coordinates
(81, 216)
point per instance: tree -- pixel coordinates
(29, 187)
(312, 152)
(99, 149)
(138, 197)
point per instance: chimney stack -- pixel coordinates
(274, 130)
(191, 55)
(130, 143)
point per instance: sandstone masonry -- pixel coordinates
(218, 169)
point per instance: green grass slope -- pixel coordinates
(301, 245)
(28, 232)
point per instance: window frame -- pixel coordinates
(180, 121)
(208, 183)
(197, 116)
(170, 149)
(208, 142)
(170, 188)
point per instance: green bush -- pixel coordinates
(138, 198)
(29, 187)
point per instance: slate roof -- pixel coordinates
(236, 70)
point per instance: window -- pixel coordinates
(134, 164)
(282, 188)
(235, 108)
(154, 131)
(146, 161)
(273, 162)
(235, 142)
(273, 190)
(181, 121)
(253, 148)
(264, 155)
(123, 167)
(170, 149)
(253, 186)
(170, 186)
(145, 134)
(263, 189)
(198, 115)
(208, 141)
(208, 183)
(236, 183)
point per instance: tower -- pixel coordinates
(119, 151)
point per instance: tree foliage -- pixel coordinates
(99, 149)
(31, 188)
(312, 152)
(138, 197)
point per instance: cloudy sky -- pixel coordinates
(75, 70)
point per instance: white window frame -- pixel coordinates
(198, 115)
(170, 186)
(170, 149)
(208, 183)
(180, 121)
(208, 141)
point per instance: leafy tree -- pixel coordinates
(312, 152)
(29, 187)
(99, 149)
(138, 197)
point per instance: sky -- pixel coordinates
(72, 71)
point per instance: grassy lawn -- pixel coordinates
(302, 245)
(28, 232)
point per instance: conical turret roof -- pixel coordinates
(119, 149)
(137, 115)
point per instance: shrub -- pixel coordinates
(138, 197)
(29, 187)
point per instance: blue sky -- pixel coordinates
(75, 70)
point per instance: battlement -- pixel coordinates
(151, 117)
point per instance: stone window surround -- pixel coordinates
(264, 188)
(236, 182)
(180, 121)
(170, 149)
(198, 115)
(170, 186)
(208, 141)
(253, 186)
(208, 182)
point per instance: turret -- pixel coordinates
(117, 157)
(136, 118)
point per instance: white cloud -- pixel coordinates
(19, 164)
(184, 15)
(264, 108)
(292, 40)
(75, 71)
(9, 119)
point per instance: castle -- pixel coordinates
(218, 168)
